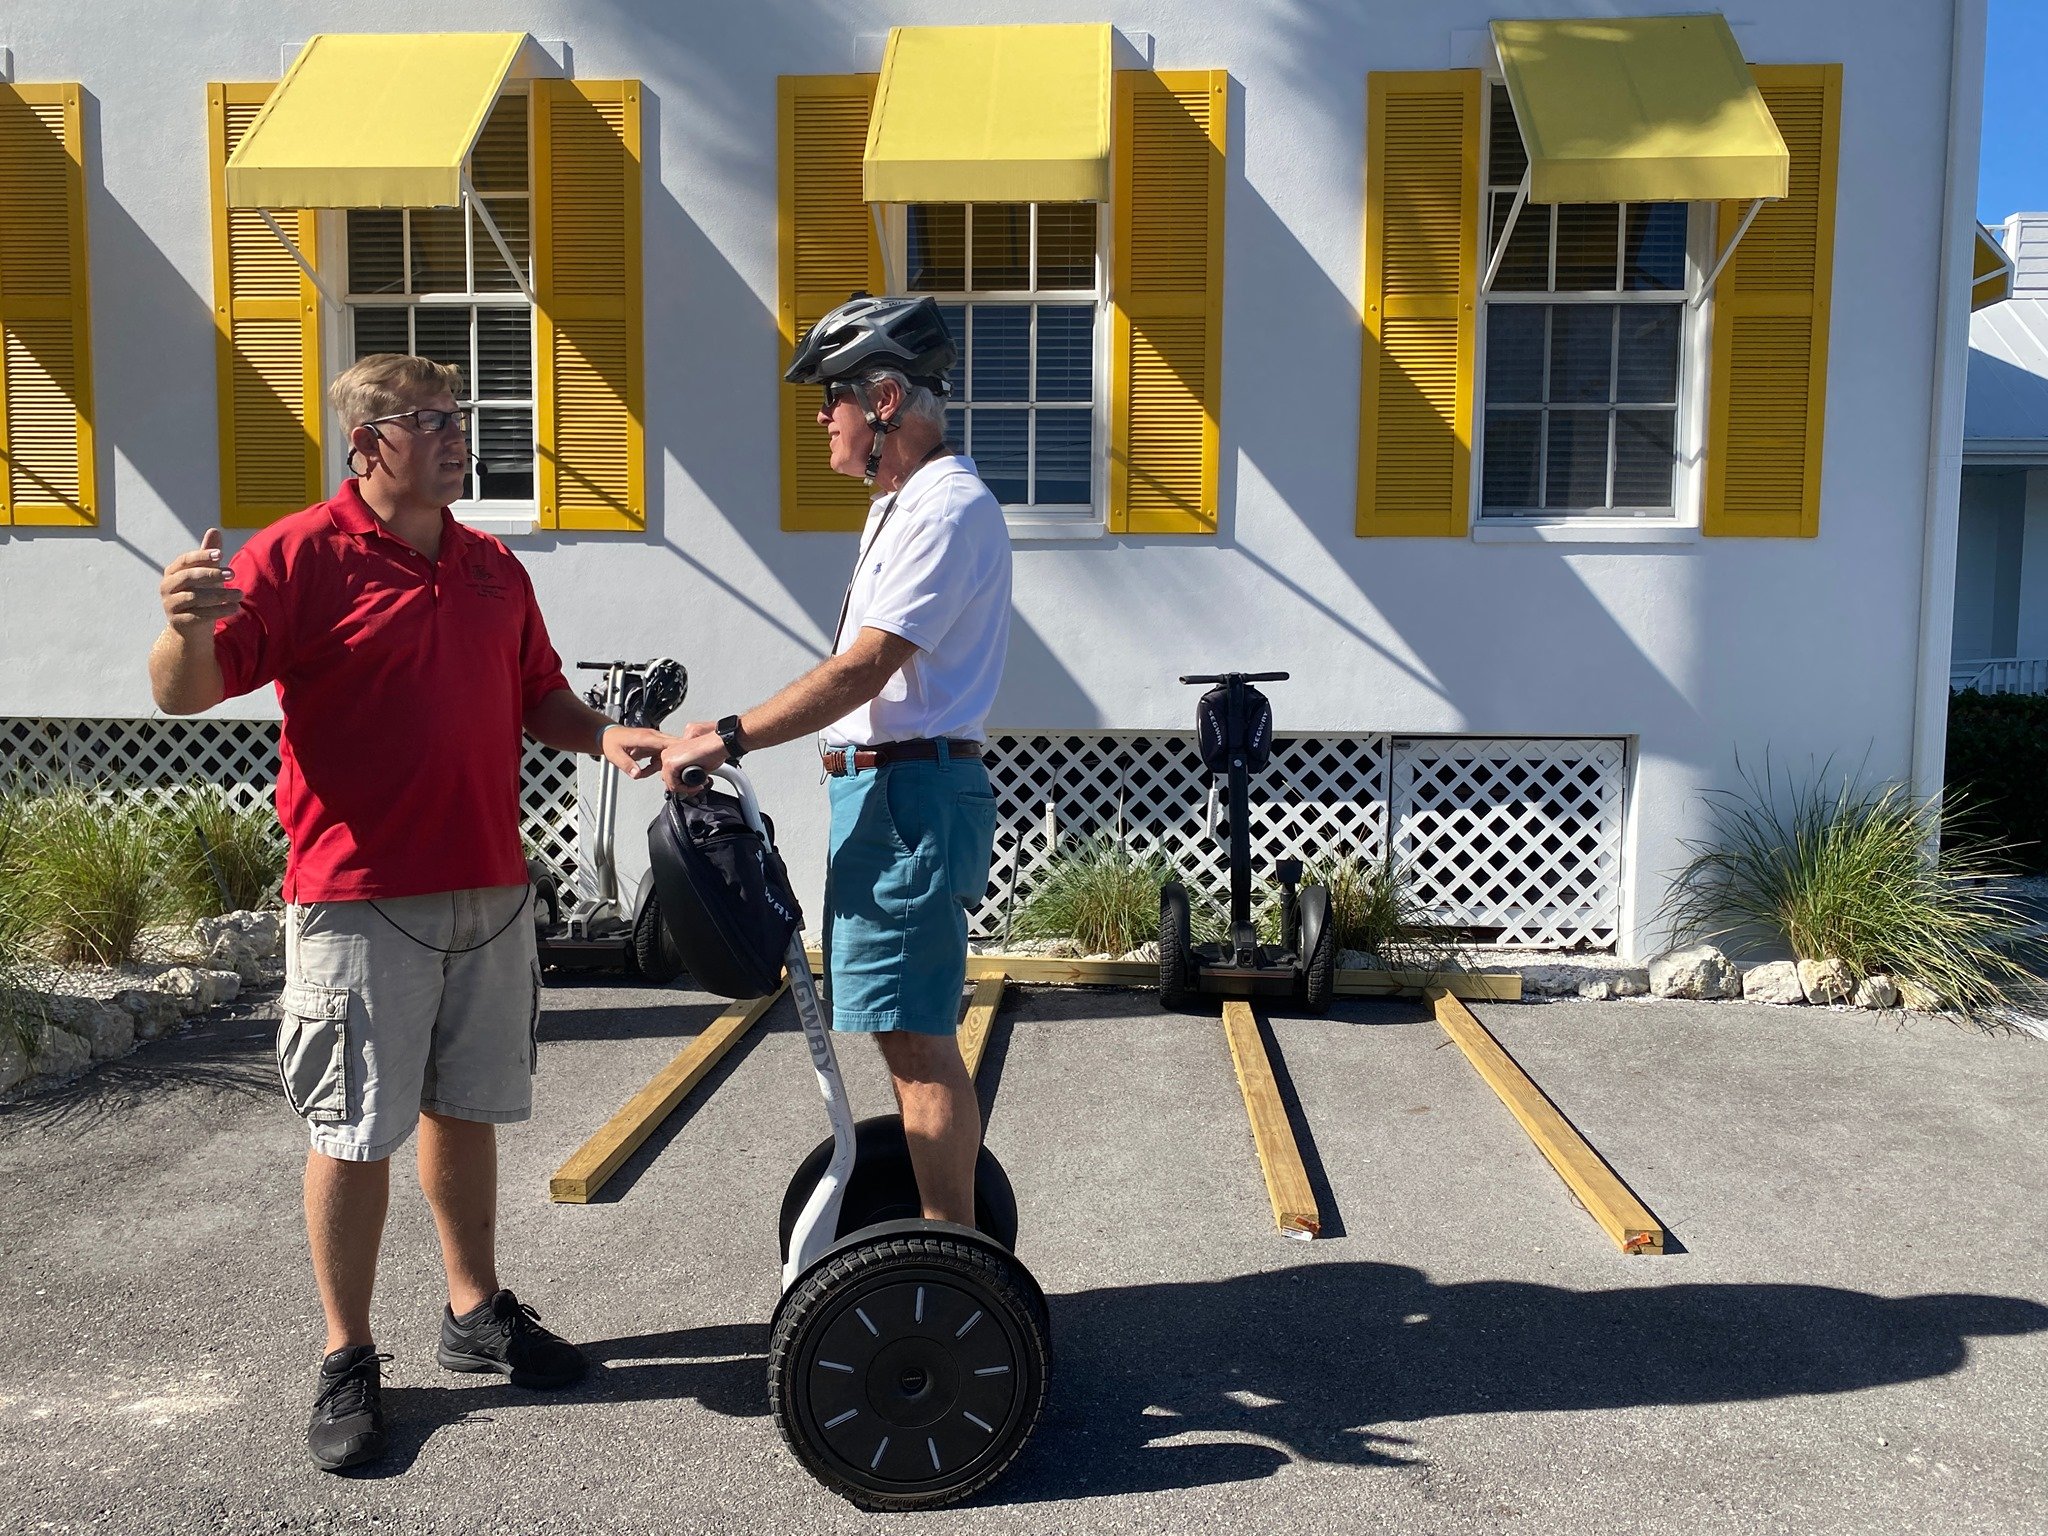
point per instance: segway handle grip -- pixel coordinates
(695, 778)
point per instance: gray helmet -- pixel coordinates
(865, 334)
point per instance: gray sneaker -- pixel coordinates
(348, 1415)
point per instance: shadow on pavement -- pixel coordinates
(1321, 1361)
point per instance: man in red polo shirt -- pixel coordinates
(409, 656)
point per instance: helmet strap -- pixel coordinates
(880, 428)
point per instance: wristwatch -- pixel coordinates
(729, 732)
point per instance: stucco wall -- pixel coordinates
(1696, 650)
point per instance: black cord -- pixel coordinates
(437, 949)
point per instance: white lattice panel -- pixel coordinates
(1319, 796)
(150, 758)
(1519, 841)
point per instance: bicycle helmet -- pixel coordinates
(867, 333)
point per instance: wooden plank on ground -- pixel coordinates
(1294, 1203)
(580, 1178)
(1041, 970)
(1610, 1202)
(979, 1019)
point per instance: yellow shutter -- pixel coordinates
(1770, 353)
(586, 270)
(1166, 284)
(825, 250)
(1421, 289)
(46, 441)
(266, 317)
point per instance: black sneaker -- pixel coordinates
(348, 1415)
(505, 1335)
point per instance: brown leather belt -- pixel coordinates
(883, 753)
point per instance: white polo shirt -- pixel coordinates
(938, 575)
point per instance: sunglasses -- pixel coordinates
(840, 390)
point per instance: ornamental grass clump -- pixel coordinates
(219, 857)
(88, 875)
(21, 1007)
(1844, 875)
(1098, 892)
(1373, 909)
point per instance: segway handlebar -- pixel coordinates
(1224, 677)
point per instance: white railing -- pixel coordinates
(2021, 674)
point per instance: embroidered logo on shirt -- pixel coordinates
(482, 579)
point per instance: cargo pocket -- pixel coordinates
(971, 848)
(533, 1026)
(312, 1051)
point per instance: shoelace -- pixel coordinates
(350, 1392)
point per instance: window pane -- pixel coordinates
(1649, 353)
(498, 163)
(1505, 158)
(1588, 236)
(504, 442)
(380, 330)
(1064, 457)
(491, 273)
(376, 251)
(999, 449)
(439, 264)
(1514, 440)
(936, 247)
(1655, 257)
(1643, 458)
(1581, 351)
(443, 335)
(504, 354)
(1002, 246)
(1526, 267)
(1002, 352)
(1576, 474)
(1066, 245)
(1514, 352)
(1066, 352)
(955, 316)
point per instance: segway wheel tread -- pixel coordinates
(1176, 947)
(946, 1352)
(655, 960)
(1319, 975)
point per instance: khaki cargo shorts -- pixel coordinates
(395, 1006)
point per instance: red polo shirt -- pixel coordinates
(403, 681)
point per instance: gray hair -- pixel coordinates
(919, 403)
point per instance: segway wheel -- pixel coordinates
(908, 1372)
(654, 952)
(884, 1185)
(1176, 947)
(1319, 970)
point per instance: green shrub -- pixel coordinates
(20, 1003)
(1998, 760)
(1844, 875)
(88, 872)
(1373, 909)
(218, 857)
(1099, 893)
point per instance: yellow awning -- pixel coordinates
(991, 115)
(372, 121)
(1991, 271)
(1639, 109)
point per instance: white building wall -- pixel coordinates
(1697, 650)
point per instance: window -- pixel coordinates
(1587, 339)
(1021, 287)
(431, 281)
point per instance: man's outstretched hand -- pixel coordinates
(699, 746)
(634, 750)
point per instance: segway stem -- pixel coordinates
(819, 1222)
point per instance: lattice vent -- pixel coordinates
(150, 758)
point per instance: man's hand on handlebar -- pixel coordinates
(698, 746)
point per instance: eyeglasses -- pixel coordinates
(430, 421)
(840, 390)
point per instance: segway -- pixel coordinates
(1234, 734)
(908, 1359)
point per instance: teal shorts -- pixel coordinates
(910, 852)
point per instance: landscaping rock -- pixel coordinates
(107, 1030)
(241, 942)
(1700, 972)
(154, 1012)
(1774, 982)
(14, 1064)
(1827, 981)
(1356, 960)
(1146, 953)
(60, 1053)
(197, 990)
(1876, 992)
(1919, 998)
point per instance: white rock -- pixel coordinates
(1700, 972)
(1356, 960)
(196, 989)
(1777, 981)
(1632, 982)
(13, 1059)
(59, 1053)
(1601, 991)
(1918, 997)
(1146, 953)
(1826, 981)
(154, 1012)
(1552, 980)
(1876, 992)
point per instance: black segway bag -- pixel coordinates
(724, 894)
(1212, 730)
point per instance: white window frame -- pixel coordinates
(496, 516)
(1682, 523)
(1035, 522)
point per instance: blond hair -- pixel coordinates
(385, 383)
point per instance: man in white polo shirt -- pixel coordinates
(900, 708)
